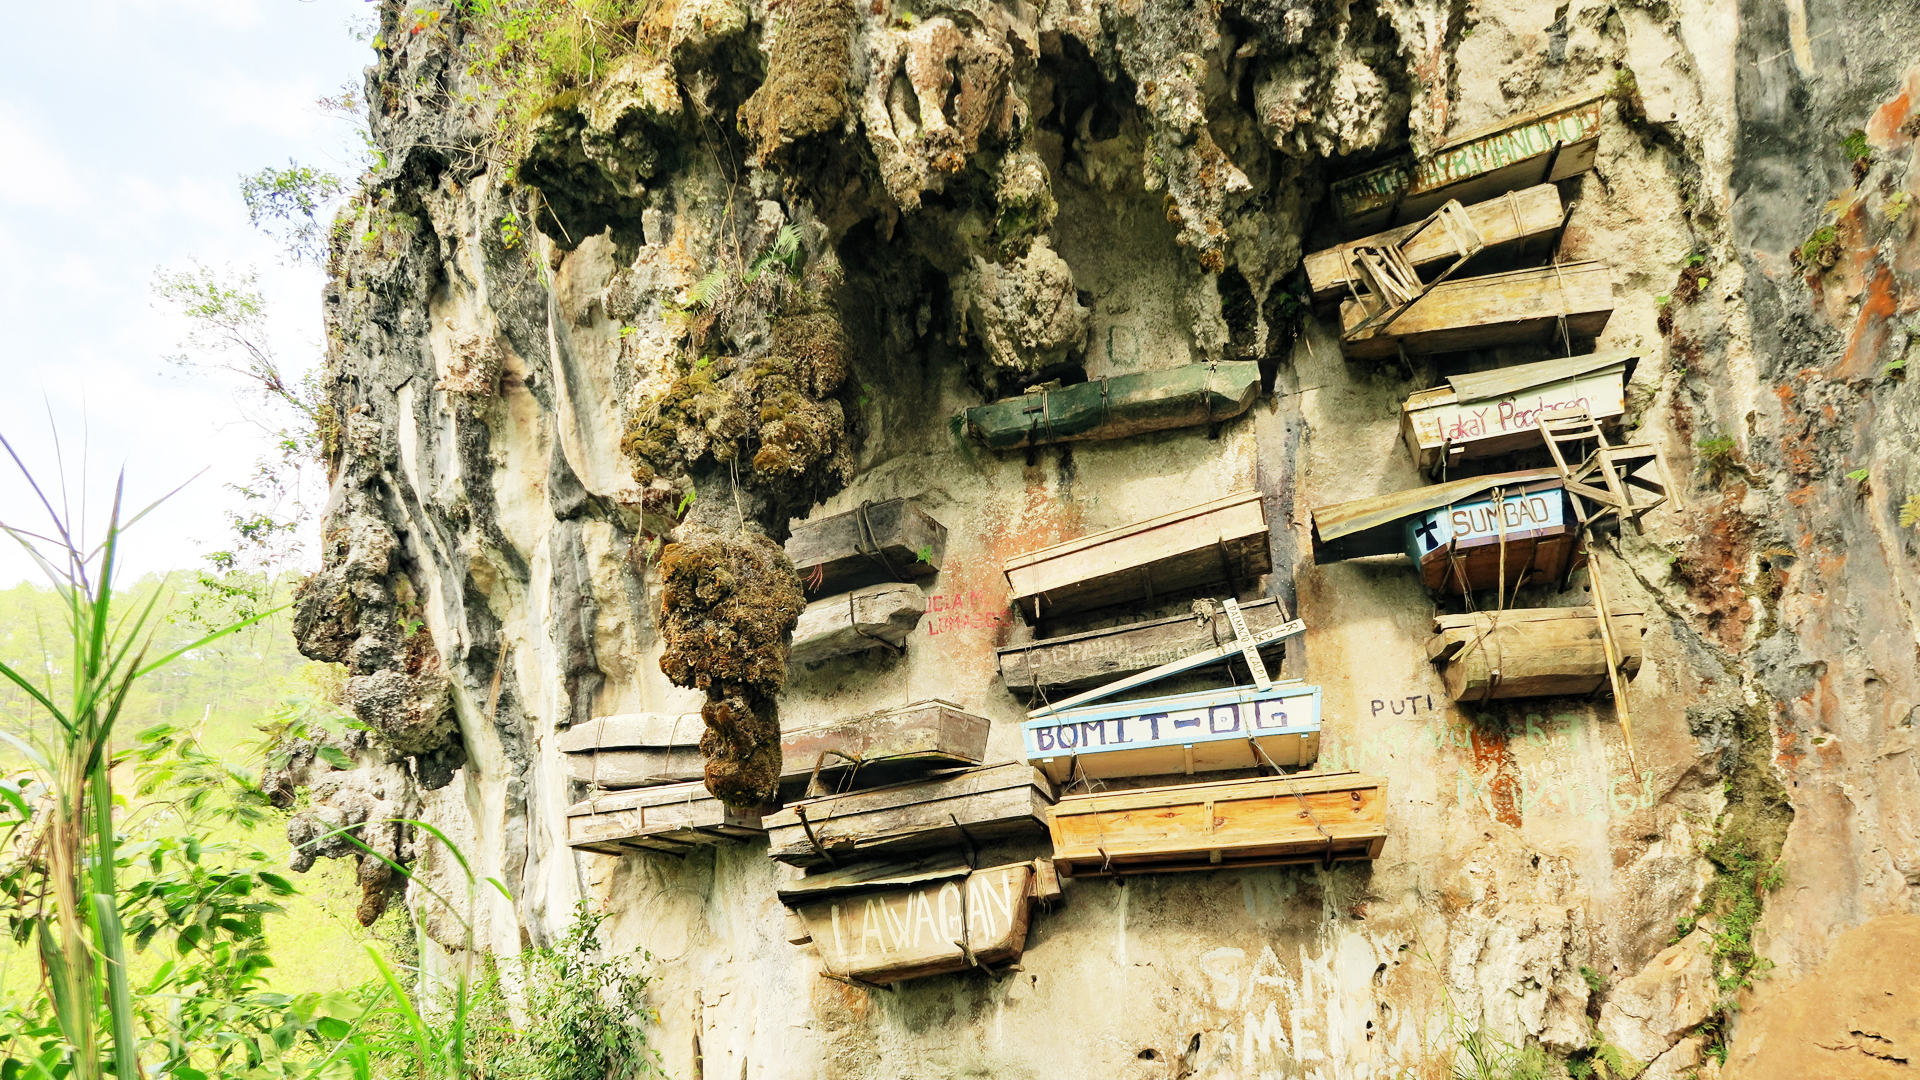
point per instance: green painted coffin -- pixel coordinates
(1113, 408)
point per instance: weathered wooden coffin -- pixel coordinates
(857, 621)
(1499, 411)
(888, 745)
(886, 541)
(1418, 524)
(1515, 218)
(1237, 728)
(1528, 530)
(1221, 541)
(973, 806)
(1516, 307)
(1540, 147)
(627, 750)
(1113, 408)
(1266, 821)
(669, 817)
(1078, 661)
(932, 927)
(1532, 652)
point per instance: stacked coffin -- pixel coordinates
(884, 879)
(644, 770)
(1487, 190)
(860, 571)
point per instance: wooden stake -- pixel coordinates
(1613, 652)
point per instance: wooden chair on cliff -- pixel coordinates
(1607, 489)
(1393, 284)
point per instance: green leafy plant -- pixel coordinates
(74, 918)
(1895, 206)
(1895, 367)
(1859, 476)
(1594, 982)
(510, 232)
(686, 503)
(1859, 154)
(925, 554)
(1719, 455)
(1820, 251)
(1910, 512)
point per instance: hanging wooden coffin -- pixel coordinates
(1499, 411)
(1267, 821)
(670, 817)
(1236, 728)
(1076, 661)
(967, 919)
(1540, 147)
(1458, 547)
(877, 616)
(1113, 408)
(954, 810)
(627, 750)
(886, 541)
(1221, 541)
(1511, 219)
(1493, 309)
(887, 746)
(1532, 652)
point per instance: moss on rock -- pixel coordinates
(805, 95)
(728, 604)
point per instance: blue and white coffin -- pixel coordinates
(1236, 728)
(1458, 546)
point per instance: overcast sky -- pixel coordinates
(124, 126)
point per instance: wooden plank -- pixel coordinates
(889, 745)
(1439, 421)
(1537, 652)
(893, 540)
(633, 731)
(1531, 561)
(931, 929)
(856, 621)
(1194, 662)
(636, 768)
(1265, 821)
(666, 818)
(1076, 661)
(1236, 728)
(1544, 146)
(1494, 309)
(1521, 215)
(980, 804)
(1187, 549)
(810, 884)
(1117, 407)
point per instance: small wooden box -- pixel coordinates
(1511, 308)
(889, 745)
(887, 541)
(1220, 541)
(1267, 821)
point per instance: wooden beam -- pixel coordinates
(1493, 309)
(803, 886)
(856, 621)
(1187, 549)
(1517, 216)
(1077, 661)
(887, 541)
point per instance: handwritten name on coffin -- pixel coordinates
(1520, 412)
(874, 930)
(1156, 723)
(1518, 516)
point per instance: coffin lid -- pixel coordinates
(1500, 382)
(1371, 526)
(1067, 547)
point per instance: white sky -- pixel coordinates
(124, 127)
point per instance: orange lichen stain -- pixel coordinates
(1799, 496)
(1490, 754)
(1869, 334)
(1714, 563)
(1883, 130)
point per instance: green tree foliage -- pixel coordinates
(293, 204)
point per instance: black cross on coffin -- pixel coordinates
(1425, 531)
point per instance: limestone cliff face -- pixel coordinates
(746, 275)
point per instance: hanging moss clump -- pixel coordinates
(805, 96)
(728, 604)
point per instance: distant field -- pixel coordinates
(223, 694)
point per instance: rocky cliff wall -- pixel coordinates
(744, 275)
